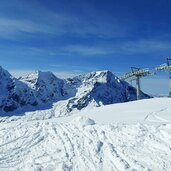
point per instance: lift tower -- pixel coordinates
(166, 67)
(136, 74)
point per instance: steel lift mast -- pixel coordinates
(166, 67)
(136, 74)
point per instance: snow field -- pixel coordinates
(134, 136)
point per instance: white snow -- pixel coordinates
(83, 121)
(149, 110)
(131, 136)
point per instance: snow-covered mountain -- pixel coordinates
(46, 86)
(32, 90)
(13, 93)
(38, 88)
(96, 89)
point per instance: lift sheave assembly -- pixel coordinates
(136, 73)
(167, 68)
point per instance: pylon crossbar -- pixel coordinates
(163, 67)
(166, 67)
(136, 73)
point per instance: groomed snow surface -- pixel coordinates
(129, 136)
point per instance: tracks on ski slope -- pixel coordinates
(49, 145)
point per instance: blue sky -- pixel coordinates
(70, 37)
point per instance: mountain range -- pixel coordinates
(41, 88)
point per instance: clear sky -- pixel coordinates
(70, 37)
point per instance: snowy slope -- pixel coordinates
(149, 110)
(91, 140)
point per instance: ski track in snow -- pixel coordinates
(46, 145)
(157, 116)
